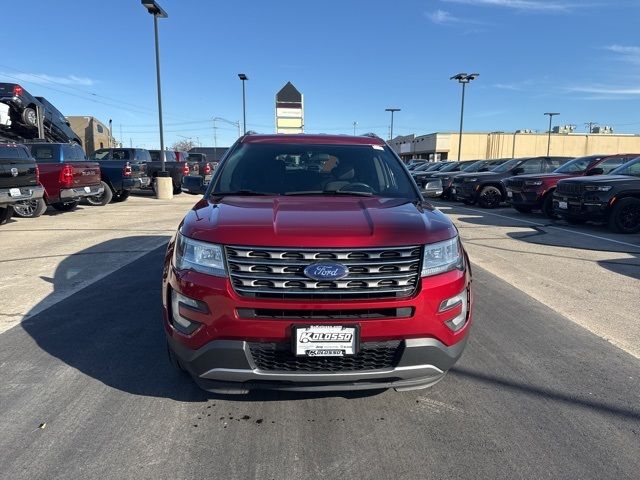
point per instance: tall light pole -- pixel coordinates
(243, 77)
(156, 10)
(392, 110)
(463, 78)
(551, 115)
(354, 128)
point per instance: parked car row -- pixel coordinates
(600, 188)
(36, 175)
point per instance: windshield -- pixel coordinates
(506, 166)
(578, 165)
(422, 167)
(472, 166)
(448, 167)
(631, 168)
(289, 169)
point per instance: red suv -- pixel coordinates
(535, 192)
(313, 263)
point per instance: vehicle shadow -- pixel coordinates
(112, 330)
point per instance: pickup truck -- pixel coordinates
(200, 175)
(66, 176)
(18, 178)
(176, 169)
(24, 118)
(123, 169)
(612, 198)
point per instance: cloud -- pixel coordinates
(43, 79)
(521, 5)
(625, 53)
(604, 90)
(442, 17)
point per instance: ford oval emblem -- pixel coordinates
(326, 271)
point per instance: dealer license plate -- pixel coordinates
(325, 341)
(563, 205)
(15, 192)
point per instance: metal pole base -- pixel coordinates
(164, 188)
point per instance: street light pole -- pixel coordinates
(463, 78)
(243, 77)
(551, 115)
(392, 110)
(354, 128)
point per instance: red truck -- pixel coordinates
(66, 176)
(535, 192)
(314, 263)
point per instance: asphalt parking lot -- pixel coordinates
(548, 386)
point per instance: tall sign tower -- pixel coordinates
(289, 110)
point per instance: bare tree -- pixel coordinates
(183, 145)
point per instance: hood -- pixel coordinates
(546, 176)
(315, 221)
(480, 174)
(601, 179)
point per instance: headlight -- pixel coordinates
(533, 183)
(474, 179)
(199, 256)
(441, 257)
(597, 188)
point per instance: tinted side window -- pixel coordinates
(10, 153)
(144, 155)
(532, 166)
(553, 163)
(612, 163)
(121, 155)
(79, 153)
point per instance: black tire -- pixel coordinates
(490, 197)
(101, 200)
(122, 196)
(547, 206)
(64, 206)
(522, 209)
(29, 117)
(5, 214)
(575, 220)
(625, 216)
(30, 208)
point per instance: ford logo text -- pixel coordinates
(326, 271)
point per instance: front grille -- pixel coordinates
(279, 357)
(568, 188)
(457, 181)
(515, 184)
(352, 314)
(279, 273)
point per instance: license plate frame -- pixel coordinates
(324, 348)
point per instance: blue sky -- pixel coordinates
(351, 60)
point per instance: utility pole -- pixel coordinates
(551, 115)
(354, 128)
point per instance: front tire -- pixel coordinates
(103, 199)
(490, 197)
(64, 206)
(547, 206)
(30, 117)
(30, 208)
(122, 196)
(625, 217)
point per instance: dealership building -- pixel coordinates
(522, 143)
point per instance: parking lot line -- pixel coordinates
(546, 225)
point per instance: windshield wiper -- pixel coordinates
(329, 192)
(241, 193)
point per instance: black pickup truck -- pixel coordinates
(24, 119)
(18, 178)
(123, 169)
(613, 198)
(176, 169)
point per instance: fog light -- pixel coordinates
(460, 300)
(181, 323)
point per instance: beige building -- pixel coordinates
(93, 133)
(442, 146)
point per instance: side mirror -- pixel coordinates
(595, 171)
(518, 171)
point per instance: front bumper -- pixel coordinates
(136, 182)
(9, 196)
(591, 207)
(227, 366)
(524, 198)
(81, 192)
(467, 191)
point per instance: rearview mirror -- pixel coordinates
(595, 171)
